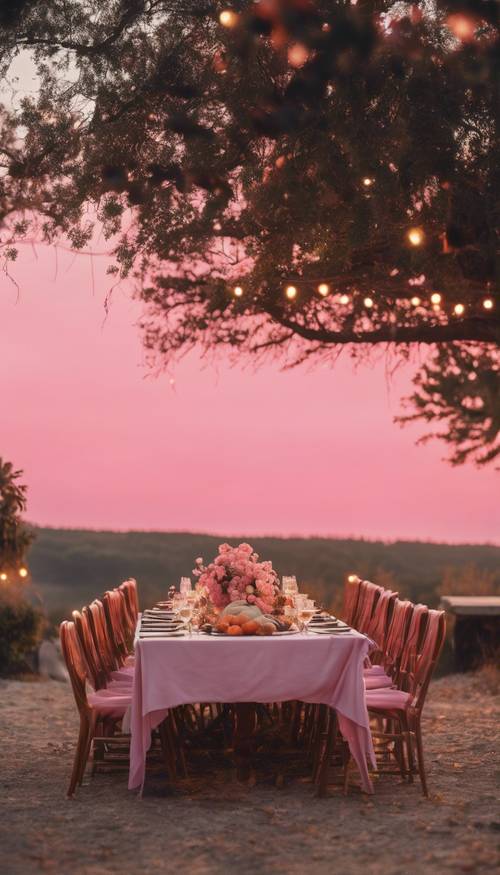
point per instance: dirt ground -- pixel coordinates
(218, 825)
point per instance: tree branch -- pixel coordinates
(482, 330)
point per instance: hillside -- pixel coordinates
(70, 567)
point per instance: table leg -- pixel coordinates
(245, 721)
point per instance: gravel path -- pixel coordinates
(219, 826)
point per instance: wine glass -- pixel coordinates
(185, 613)
(307, 610)
(185, 586)
(289, 585)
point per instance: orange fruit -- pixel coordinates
(268, 628)
(241, 619)
(222, 625)
(230, 619)
(235, 630)
(250, 627)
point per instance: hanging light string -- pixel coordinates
(291, 292)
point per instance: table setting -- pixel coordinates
(242, 636)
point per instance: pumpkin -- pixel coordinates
(239, 607)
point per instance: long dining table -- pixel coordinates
(316, 669)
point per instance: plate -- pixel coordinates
(332, 631)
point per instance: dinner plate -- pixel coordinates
(159, 634)
(332, 631)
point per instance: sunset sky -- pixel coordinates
(226, 450)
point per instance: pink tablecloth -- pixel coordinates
(312, 668)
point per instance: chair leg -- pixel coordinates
(420, 758)
(328, 751)
(409, 747)
(81, 747)
(90, 737)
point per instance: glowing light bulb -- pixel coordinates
(367, 181)
(464, 28)
(297, 55)
(323, 289)
(237, 291)
(291, 292)
(353, 578)
(458, 309)
(436, 298)
(3, 576)
(23, 572)
(488, 304)
(415, 236)
(344, 299)
(228, 18)
(368, 302)
(415, 301)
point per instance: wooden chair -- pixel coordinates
(99, 711)
(402, 709)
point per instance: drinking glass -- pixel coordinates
(289, 585)
(185, 613)
(306, 612)
(185, 586)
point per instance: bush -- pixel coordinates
(20, 632)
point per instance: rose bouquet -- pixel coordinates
(236, 574)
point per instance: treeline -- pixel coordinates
(70, 567)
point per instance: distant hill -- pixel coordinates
(70, 566)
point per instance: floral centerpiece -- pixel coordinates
(236, 574)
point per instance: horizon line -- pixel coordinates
(276, 536)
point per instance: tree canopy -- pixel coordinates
(283, 178)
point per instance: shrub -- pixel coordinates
(20, 632)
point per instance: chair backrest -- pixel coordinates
(396, 636)
(112, 601)
(95, 668)
(129, 590)
(414, 638)
(378, 625)
(369, 596)
(351, 597)
(435, 633)
(75, 664)
(97, 622)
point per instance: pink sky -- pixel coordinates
(104, 445)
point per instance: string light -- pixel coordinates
(323, 289)
(458, 309)
(228, 18)
(23, 572)
(237, 291)
(415, 236)
(344, 299)
(353, 578)
(3, 576)
(462, 27)
(368, 302)
(415, 301)
(291, 292)
(297, 55)
(436, 298)
(367, 181)
(488, 304)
